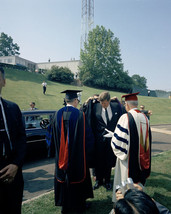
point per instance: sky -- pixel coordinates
(51, 29)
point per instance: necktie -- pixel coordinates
(2, 129)
(107, 116)
(5, 126)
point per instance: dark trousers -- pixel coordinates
(11, 195)
(44, 89)
(103, 173)
(105, 160)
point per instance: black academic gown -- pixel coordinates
(72, 178)
(137, 173)
(104, 157)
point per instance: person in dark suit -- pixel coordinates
(105, 115)
(12, 151)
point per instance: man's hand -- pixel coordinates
(90, 98)
(119, 195)
(138, 186)
(109, 134)
(8, 173)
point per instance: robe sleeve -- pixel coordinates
(120, 140)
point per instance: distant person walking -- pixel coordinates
(44, 84)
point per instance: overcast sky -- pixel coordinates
(46, 29)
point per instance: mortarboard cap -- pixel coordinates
(129, 97)
(71, 94)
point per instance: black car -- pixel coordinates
(36, 123)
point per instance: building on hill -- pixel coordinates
(32, 66)
(16, 60)
(151, 93)
(144, 91)
(72, 65)
(164, 94)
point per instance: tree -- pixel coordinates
(7, 47)
(101, 63)
(139, 81)
(60, 74)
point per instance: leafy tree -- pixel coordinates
(101, 63)
(60, 74)
(7, 47)
(139, 81)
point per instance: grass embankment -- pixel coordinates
(23, 87)
(158, 187)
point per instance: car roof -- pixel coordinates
(38, 112)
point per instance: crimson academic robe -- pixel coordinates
(72, 178)
(131, 143)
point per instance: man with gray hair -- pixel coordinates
(131, 143)
(69, 139)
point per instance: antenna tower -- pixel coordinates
(87, 20)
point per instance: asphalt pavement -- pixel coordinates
(39, 175)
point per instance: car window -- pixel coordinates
(33, 121)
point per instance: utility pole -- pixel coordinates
(87, 20)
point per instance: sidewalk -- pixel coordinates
(165, 129)
(161, 138)
(39, 177)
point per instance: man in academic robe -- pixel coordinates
(12, 152)
(72, 178)
(105, 115)
(131, 143)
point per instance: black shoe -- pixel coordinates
(84, 207)
(108, 186)
(97, 185)
(64, 210)
(88, 205)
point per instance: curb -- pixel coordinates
(39, 196)
(161, 131)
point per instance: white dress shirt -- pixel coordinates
(109, 111)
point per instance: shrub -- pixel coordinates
(60, 74)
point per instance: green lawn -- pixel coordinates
(158, 187)
(23, 87)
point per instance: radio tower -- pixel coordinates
(87, 20)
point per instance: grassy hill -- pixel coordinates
(23, 87)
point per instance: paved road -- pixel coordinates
(161, 138)
(38, 176)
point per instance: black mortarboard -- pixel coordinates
(71, 94)
(132, 96)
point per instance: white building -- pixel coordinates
(16, 60)
(72, 65)
(32, 66)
